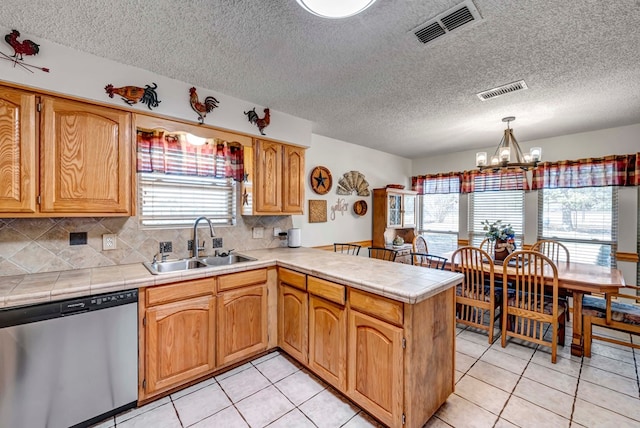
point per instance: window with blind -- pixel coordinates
(438, 221)
(505, 205)
(584, 219)
(176, 200)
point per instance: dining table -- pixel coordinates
(577, 279)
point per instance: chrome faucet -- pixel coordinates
(194, 247)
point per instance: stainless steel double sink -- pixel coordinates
(195, 263)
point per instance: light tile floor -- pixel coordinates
(515, 386)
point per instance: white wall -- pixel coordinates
(84, 75)
(340, 157)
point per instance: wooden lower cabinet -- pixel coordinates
(328, 341)
(376, 367)
(179, 335)
(293, 321)
(242, 323)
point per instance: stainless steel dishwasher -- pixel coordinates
(68, 363)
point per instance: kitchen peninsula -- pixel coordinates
(381, 333)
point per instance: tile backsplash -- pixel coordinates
(42, 244)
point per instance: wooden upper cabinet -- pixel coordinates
(85, 158)
(18, 178)
(268, 190)
(293, 180)
(277, 184)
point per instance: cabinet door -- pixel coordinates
(293, 319)
(268, 177)
(85, 158)
(293, 180)
(242, 323)
(17, 151)
(375, 367)
(409, 211)
(180, 342)
(394, 210)
(328, 341)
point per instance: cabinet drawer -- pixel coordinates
(181, 290)
(380, 307)
(292, 278)
(328, 290)
(241, 279)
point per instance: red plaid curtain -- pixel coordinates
(614, 170)
(477, 181)
(166, 153)
(437, 183)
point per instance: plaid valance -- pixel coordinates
(437, 183)
(170, 153)
(477, 181)
(614, 170)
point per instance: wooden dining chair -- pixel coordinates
(428, 260)
(610, 313)
(527, 311)
(383, 253)
(419, 245)
(488, 246)
(353, 249)
(555, 250)
(477, 301)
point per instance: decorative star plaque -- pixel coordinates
(321, 181)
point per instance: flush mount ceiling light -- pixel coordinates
(508, 154)
(335, 9)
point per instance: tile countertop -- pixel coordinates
(406, 283)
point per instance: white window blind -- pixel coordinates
(438, 223)
(584, 219)
(176, 200)
(505, 205)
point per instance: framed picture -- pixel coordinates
(317, 211)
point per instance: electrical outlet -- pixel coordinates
(109, 241)
(190, 244)
(217, 242)
(276, 232)
(166, 247)
(258, 232)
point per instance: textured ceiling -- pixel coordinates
(366, 79)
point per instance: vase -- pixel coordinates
(501, 250)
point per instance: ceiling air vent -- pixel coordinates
(457, 16)
(502, 90)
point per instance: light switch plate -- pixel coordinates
(258, 232)
(109, 241)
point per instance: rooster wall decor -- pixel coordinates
(261, 123)
(201, 108)
(26, 47)
(132, 94)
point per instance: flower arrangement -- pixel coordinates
(498, 231)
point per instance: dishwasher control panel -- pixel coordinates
(98, 302)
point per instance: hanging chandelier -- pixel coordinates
(335, 9)
(508, 154)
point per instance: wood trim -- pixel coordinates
(177, 125)
(363, 244)
(463, 242)
(627, 257)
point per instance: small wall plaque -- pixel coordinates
(317, 211)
